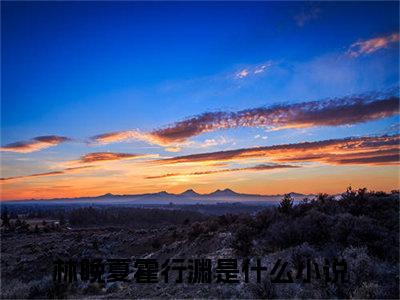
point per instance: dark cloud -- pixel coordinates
(51, 139)
(334, 112)
(106, 156)
(335, 151)
(371, 160)
(261, 167)
(35, 144)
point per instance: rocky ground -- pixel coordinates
(27, 260)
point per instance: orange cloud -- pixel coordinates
(372, 45)
(35, 144)
(359, 151)
(53, 173)
(173, 149)
(127, 135)
(119, 136)
(261, 167)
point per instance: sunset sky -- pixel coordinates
(260, 97)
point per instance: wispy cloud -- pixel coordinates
(253, 70)
(137, 135)
(155, 139)
(361, 151)
(243, 73)
(119, 136)
(173, 149)
(261, 69)
(261, 167)
(35, 144)
(257, 136)
(369, 46)
(45, 174)
(306, 15)
(212, 142)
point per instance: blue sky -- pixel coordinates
(83, 69)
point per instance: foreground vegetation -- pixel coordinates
(361, 227)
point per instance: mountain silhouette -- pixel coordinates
(224, 193)
(189, 193)
(187, 197)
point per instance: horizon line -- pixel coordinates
(182, 194)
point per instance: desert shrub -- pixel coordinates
(211, 225)
(359, 231)
(367, 290)
(14, 289)
(41, 288)
(314, 227)
(366, 232)
(265, 218)
(89, 216)
(355, 201)
(365, 272)
(280, 235)
(243, 240)
(91, 288)
(361, 228)
(360, 265)
(264, 290)
(326, 204)
(286, 205)
(196, 229)
(342, 228)
(156, 243)
(300, 254)
(227, 219)
(384, 209)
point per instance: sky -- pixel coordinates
(141, 97)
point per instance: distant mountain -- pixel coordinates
(187, 197)
(106, 195)
(162, 193)
(224, 193)
(189, 193)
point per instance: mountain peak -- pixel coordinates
(189, 192)
(162, 193)
(106, 195)
(225, 192)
